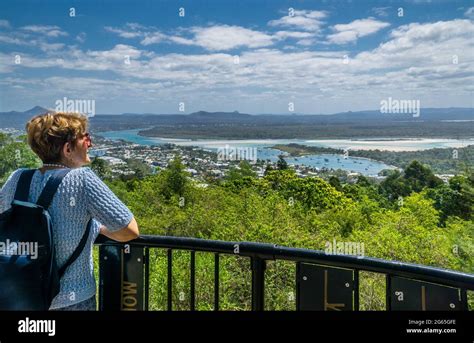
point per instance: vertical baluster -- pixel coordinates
(258, 283)
(170, 280)
(216, 282)
(464, 304)
(388, 295)
(356, 290)
(298, 268)
(147, 278)
(193, 280)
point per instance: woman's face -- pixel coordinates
(78, 157)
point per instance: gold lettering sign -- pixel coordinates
(129, 296)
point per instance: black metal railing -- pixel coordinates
(323, 281)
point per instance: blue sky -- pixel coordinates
(250, 56)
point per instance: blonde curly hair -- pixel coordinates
(47, 133)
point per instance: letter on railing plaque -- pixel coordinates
(413, 295)
(121, 275)
(321, 288)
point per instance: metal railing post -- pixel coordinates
(258, 284)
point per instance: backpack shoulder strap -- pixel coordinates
(23, 185)
(80, 247)
(46, 196)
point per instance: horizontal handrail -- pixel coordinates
(267, 251)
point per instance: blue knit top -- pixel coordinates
(82, 195)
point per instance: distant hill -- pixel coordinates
(18, 120)
(104, 122)
(213, 117)
(36, 110)
(235, 114)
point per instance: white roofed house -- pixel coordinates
(114, 161)
(192, 171)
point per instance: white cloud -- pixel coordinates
(148, 35)
(292, 34)
(136, 26)
(306, 42)
(409, 46)
(431, 45)
(50, 46)
(4, 24)
(32, 35)
(81, 37)
(9, 39)
(181, 40)
(129, 33)
(432, 33)
(470, 13)
(20, 40)
(213, 38)
(347, 33)
(6, 64)
(224, 37)
(113, 60)
(381, 11)
(50, 31)
(417, 56)
(116, 58)
(219, 37)
(301, 19)
(153, 38)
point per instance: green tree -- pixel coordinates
(244, 169)
(175, 178)
(14, 155)
(282, 164)
(394, 186)
(414, 178)
(454, 199)
(100, 167)
(363, 181)
(335, 182)
(140, 168)
(418, 177)
(268, 168)
(4, 139)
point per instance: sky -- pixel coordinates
(276, 57)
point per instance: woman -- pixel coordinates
(61, 140)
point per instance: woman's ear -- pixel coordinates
(67, 150)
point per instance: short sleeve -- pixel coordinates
(7, 193)
(103, 205)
